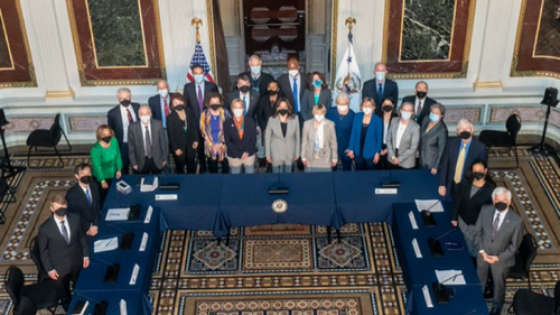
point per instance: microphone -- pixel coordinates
(471, 312)
(391, 183)
(427, 216)
(440, 291)
(112, 271)
(100, 306)
(435, 245)
(126, 237)
(165, 184)
(278, 189)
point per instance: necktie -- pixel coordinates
(419, 108)
(64, 232)
(245, 104)
(200, 99)
(296, 96)
(130, 120)
(495, 226)
(380, 93)
(88, 196)
(165, 107)
(460, 164)
(148, 144)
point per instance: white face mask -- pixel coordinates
(319, 118)
(342, 108)
(406, 115)
(380, 76)
(145, 119)
(163, 93)
(256, 70)
(293, 73)
(238, 112)
(367, 110)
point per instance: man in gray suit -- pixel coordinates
(147, 144)
(402, 139)
(498, 234)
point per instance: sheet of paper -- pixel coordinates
(427, 298)
(148, 215)
(117, 214)
(432, 205)
(123, 307)
(413, 220)
(134, 276)
(417, 251)
(144, 242)
(106, 245)
(451, 277)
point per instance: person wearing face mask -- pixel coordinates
(293, 84)
(459, 153)
(259, 80)
(388, 112)
(63, 248)
(212, 130)
(422, 103)
(195, 93)
(264, 111)
(183, 136)
(106, 161)
(402, 139)
(380, 87)
(319, 149)
(282, 138)
(250, 99)
(148, 144)
(433, 137)
(317, 92)
(160, 104)
(83, 199)
(343, 118)
(119, 119)
(366, 138)
(499, 231)
(474, 192)
(240, 136)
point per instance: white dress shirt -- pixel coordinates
(125, 122)
(416, 111)
(502, 216)
(196, 86)
(400, 132)
(144, 135)
(162, 106)
(247, 100)
(60, 227)
(298, 79)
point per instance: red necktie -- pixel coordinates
(130, 121)
(165, 107)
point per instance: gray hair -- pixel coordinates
(500, 191)
(440, 107)
(342, 96)
(465, 123)
(407, 104)
(255, 57)
(123, 90)
(145, 107)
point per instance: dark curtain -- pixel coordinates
(222, 64)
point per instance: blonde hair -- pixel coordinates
(99, 131)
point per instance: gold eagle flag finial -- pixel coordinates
(196, 22)
(350, 23)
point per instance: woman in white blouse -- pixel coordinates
(318, 142)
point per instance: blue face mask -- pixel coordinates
(256, 70)
(434, 117)
(317, 83)
(198, 78)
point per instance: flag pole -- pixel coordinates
(196, 22)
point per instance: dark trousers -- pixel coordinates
(363, 164)
(149, 167)
(64, 284)
(103, 192)
(201, 155)
(346, 164)
(213, 166)
(184, 160)
(125, 159)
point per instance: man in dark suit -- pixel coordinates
(63, 247)
(293, 84)
(259, 79)
(499, 231)
(380, 87)
(458, 156)
(83, 199)
(148, 144)
(249, 98)
(119, 119)
(195, 94)
(160, 104)
(421, 102)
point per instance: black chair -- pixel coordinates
(26, 307)
(524, 258)
(43, 294)
(42, 274)
(6, 190)
(495, 138)
(527, 302)
(48, 138)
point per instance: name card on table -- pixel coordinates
(134, 276)
(144, 242)
(123, 307)
(166, 197)
(427, 297)
(417, 251)
(148, 215)
(386, 191)
(413, 220)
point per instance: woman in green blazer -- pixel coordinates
(105, 159)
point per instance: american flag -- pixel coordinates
(200, 58)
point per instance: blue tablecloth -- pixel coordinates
(462, 304)
(136, 303)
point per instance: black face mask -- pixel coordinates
(244, 89)
(86, 180)
(125, 103)
(106, 139)
(283, 112)
(465, 135)
(421, 94)
(501, 206)
(180, 107)
(273, 93)
(215, 106)
(387, 108)
(61, 212)
(478, 175)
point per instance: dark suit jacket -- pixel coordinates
(446, 172)
(114, 119)
(191, 96)
(235, 146)
(264, 111)
(467, 207)
(263, 83)
(308, 101)
(55, 253)
(391, 89)
(286, 88)
(425, 112)
(253, 102)
(155, 105)
(136, 144)
(78, 204)
(178, 139)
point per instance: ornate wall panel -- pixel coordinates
(537, 46)
(16, 67)
(117, 42)
(427, 39)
